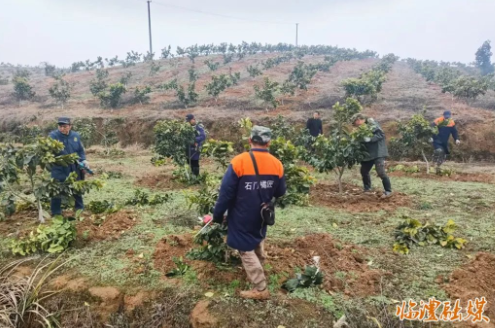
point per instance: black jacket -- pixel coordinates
(376, 147)
(314, 126)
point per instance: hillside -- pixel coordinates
(404, 92)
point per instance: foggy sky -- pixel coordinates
(64, 31)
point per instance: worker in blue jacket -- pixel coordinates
(243, 194)
(194, 149)
(72, 144)
(446, 128)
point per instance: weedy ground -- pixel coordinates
(125, 260)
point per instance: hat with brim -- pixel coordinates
(261, 134)
(63, 121)
(447, 114)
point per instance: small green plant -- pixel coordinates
(205, 198)
(254, 71)
(219, 150)
(213, 66)
(22, 89)
(412, 232)
(217, 85)
(53, 238)
(111, 97)
(142, 198)
(234, 78)
(180, 269)
(212, 245)
(61, 91)
(102, 207)
(141, 95)
(312, 276)
(267, 92)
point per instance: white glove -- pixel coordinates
(430, 140)
(85, 162)
(457, 142)
(367, 139)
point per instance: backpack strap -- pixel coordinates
(253, 159)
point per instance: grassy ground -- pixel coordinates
(469, 204)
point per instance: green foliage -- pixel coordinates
(227, 58)
(31, 163)
(172, 138)
(132, 58)
(301, 75)
(466, 87)
(205, 198)
(141, 95)
(102, 207)
(212, 245)
(126, 78)
(234, 78)
(312, 276)
(416, 134)
(110, 98)
(99, 84)
(180, 269)
(412, 232)
(288, 88)
(142, 198)
(267, 92)
(213, 66)
(185, 98)
(281, 128)
(254, 71)
(220, 151)
(167, 52)
(193, 75)
(22, 89)
(342, 149)
(61, 91)
(370, 83)
(154, 68)
(483, 58)
(53, 238)
(298, 178)
(112, 61)
(217, 85)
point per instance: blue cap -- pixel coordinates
(447, 114)
(63, 120)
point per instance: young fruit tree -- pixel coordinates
(217, 85)
(416, 134)
(343, 148)
(61, 91)
(31, 163)
(172, 137)
(22, 89)
(267, 92)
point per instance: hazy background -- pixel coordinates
(64, 31)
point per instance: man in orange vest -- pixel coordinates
(252, 180)
(446, 128)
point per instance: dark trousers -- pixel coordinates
(379, 164)
(56, 204)
(195, 167)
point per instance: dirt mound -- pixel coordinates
(475, 280)
(159, 181)
(344, 265)
(19, 223)
(354, 200)
(201, 317)
(170, 247)
(112, 227)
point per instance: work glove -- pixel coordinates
(85, 162)
(367, 139)
(430, 140)
(457, 142)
